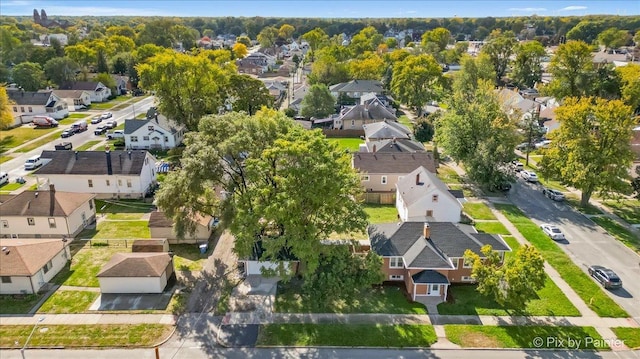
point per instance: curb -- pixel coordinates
(430, 348)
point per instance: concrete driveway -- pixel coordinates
(132, 301)
(586, 243)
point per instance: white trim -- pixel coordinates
(401, 264)
(396, 277)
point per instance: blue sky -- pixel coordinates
(316, 8)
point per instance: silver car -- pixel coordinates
(553, 194)
(552, 231)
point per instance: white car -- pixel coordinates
(106, 115)
(552, 231)
(529, 176)
(543, 144)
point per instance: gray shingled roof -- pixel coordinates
(81, 85)
(92, 162)
(358, 86)
(29, 98)
(386, 130)
(429, 276)
(374, 111)
(412, 192)
(401, 145)
(69, 93)
(400, 163)
(496, 242)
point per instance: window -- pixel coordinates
(467, 264)
(129, 183)
(90, 182)
(145, 138)
(434, 198)
(364, 178)
(91, 204)
(166, 139)
(467, 279)
(6, 279)
(21, 108)
(5, 224)
(395, 262)
(108, 183)
(150, 128)
(429, 213)
(435, 287)
(30, 109)
(31, 221)
(47, 267)
(15, 108)
(383, 180)
(396, 277)
(134, 138)
(52, 223)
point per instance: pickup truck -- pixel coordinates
(64, 146)
(111, 135)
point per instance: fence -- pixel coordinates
(379, 197)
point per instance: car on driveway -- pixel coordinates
(529, 176)
(111, 124)
(553, 194)
(115, 134)
(552, 231)
(605, 276)
(96, 119)
(67, 133)
(106, 115)
(543, 144)
(100, 130)
(517, 165)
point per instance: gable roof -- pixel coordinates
(358, 86)
(93, 162)
(69, 93)
(136, 265)
(25, 257)
(82, 85)
(401, 145)
(428, 183)
(400, 163)
(386, 129)
(153, 117)
(44, 203)
(29, 98)
(373, 111)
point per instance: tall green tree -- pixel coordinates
(439, 36)
(187, 87)
(102, 65)
(365, 40)
(586, 31)
(613, 38)
(6, 114)
(513, 283)
(245, 40)
(326, 70)
(630, 84)
(29, 76)
(500, 47)
(318, 102)
(60, 70)
(266, 165)
(286, 31)
(268, 36)
(248, 94)
(416, 81)
(370, 67)
(527, 67)
(156, 32)
(591, 150)
(572, 71)
(316, 38)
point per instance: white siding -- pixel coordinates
(155, 137)
(133, 284)
(29, 284)
(117, 184)
(446, 209)
(255, 267)
(18, 285)
(64, 226)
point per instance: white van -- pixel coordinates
(4, 178)
(33, 163)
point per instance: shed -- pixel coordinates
(136, 273)
(150, 245)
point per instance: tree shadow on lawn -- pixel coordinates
(463, 299)
(5, 143)
(553, 337)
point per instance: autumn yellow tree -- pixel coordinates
(286, 31)
(6, 115)
(240, 50)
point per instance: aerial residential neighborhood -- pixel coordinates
(331, 180)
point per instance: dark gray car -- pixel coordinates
(605, 276)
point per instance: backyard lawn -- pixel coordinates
(18, 304)
(368, 335)
(478, 210)
(127, 229)
(8, 187)
(68, 301)
(123, 209)
(187, 257)
(19, 135)
(448, 175)
(381, 213)
(491, 227)
(483, 336)
(376, 300)
(85, 265)
(351, 144)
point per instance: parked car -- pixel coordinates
(525, 146)
(100, 130)
(115, 134)
(96, 119)
(553, 194)
(502, 186)
(529, 176)
(552, 231)
(79, 126)
(44, 121)
(106, 115)
(543, 144)
(33, 162)
(4, 178)
(605, 276)
(137, 92)
(111, 124)
(64, 146)
(67, 133)
(517, 165)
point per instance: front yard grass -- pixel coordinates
(94, 335)
(8, 187)
(88, 145)
(404, 119)
(187, 257)
(478, 210)
(619, 232)
(448, 175)
(591, 293)
(15, 137)
(40, 142)
(479, 336)
(68, 301)
(126, 229)
(18, 304)
(629, 210)
(350, 144)
(630, 336)
(491, 228)
(78, 115)
(467, 191)
(389, 300)
(4, 158)
(574, 201)
(85, 265)
(381, 213)
(368, 335)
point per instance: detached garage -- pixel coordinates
(136, 273)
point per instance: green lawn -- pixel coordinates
(590, 292)
(93, 335)
(18, 304)
(619, 232)
(187, 257)
(574, 201)
(6, 158)
(40, 142)
(478, 210)
(404, 119)
(630, 336)
(123, 209)
(491, 228)
(85, 265)
(351, 144)
(19, 135)
(11, 186)
(448, 175)
(544, 337)
(78, 115)
(629, 210)
(68, 301)
(369, 335)
(127, 229)
(381, 213)
(376, 300)
(466, 189)
(111, 103)
(88, 145)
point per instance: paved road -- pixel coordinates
(186, 352)
(15, 167)
(586, 242)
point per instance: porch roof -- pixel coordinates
(429, 277)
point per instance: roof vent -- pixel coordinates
(4, 249)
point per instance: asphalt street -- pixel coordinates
(586, 243)
(15, 167)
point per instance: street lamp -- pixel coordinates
(30, 335)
